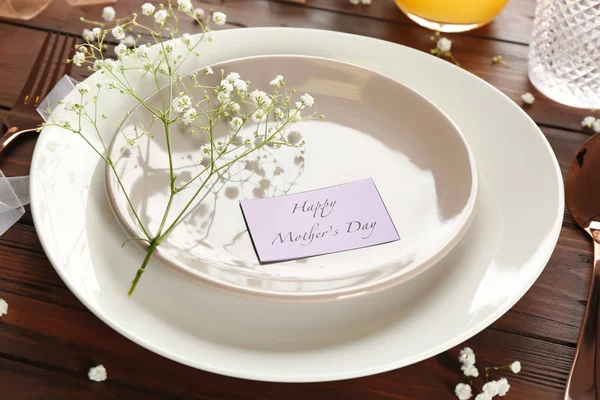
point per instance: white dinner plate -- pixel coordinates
(421, 164)
(479, 280)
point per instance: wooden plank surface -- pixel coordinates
(49, 339)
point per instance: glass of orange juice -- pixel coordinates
(451, 15)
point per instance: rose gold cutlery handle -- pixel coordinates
(10, 135)
(585, 370)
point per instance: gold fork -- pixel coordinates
(23, 117)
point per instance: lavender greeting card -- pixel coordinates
(322, 221)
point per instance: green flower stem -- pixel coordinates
(153, 244)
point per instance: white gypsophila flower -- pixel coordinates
(299, 105)
(223, 97)
(189, 116)
(141, 50)
(277, 81)
(232, 77)
(184, 5)
(199, 13)
(148, 9)
(78, 58)
(234, 107)
(294, 138)
(3, 307)
(258, 115)
(528, 98)
(109, 63)
(97, 373)
(182, 102)
(208, 71)
(226, 86)
(82, 88)
(444, 45)
(120, 49)
(587, 122)
(470, 370)
(503, 386)
(98, 65)
(278, 114)
(596, 126)
(355, 2)
(490, 388)
(118, 32)
(108, 13)
(307, 99)
(467, 356)
(219, 18)
(260, 98)
(236, 123)
(463, 391)
(240, 85)
(515, 367)
(97, 32)
(483, 396)
(88, 35)
(160, 16)
(129, 41)
(187, 38)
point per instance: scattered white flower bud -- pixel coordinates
(490, 388)
(3, 307)
(97, 373)
(515, 367)
(444, 45)
(463, 391)
(587, 122)
(503, 386)
(528, 98)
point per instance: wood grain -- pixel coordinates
(475, 53)
(49, 340)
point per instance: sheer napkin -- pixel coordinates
(14, 190)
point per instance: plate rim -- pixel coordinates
(465, 334)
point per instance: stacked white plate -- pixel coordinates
(442, 141)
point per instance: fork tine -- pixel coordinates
(33, 74)
(70, 56)
(57, 70)
(44, 76)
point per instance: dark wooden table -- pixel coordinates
(49, 340)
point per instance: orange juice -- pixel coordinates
(451, 15)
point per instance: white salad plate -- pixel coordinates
(481, 278)
(421, 164)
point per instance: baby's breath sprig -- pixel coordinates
(490, 388)
(443, 47)
(188, 102)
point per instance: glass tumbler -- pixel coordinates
(564, 54)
